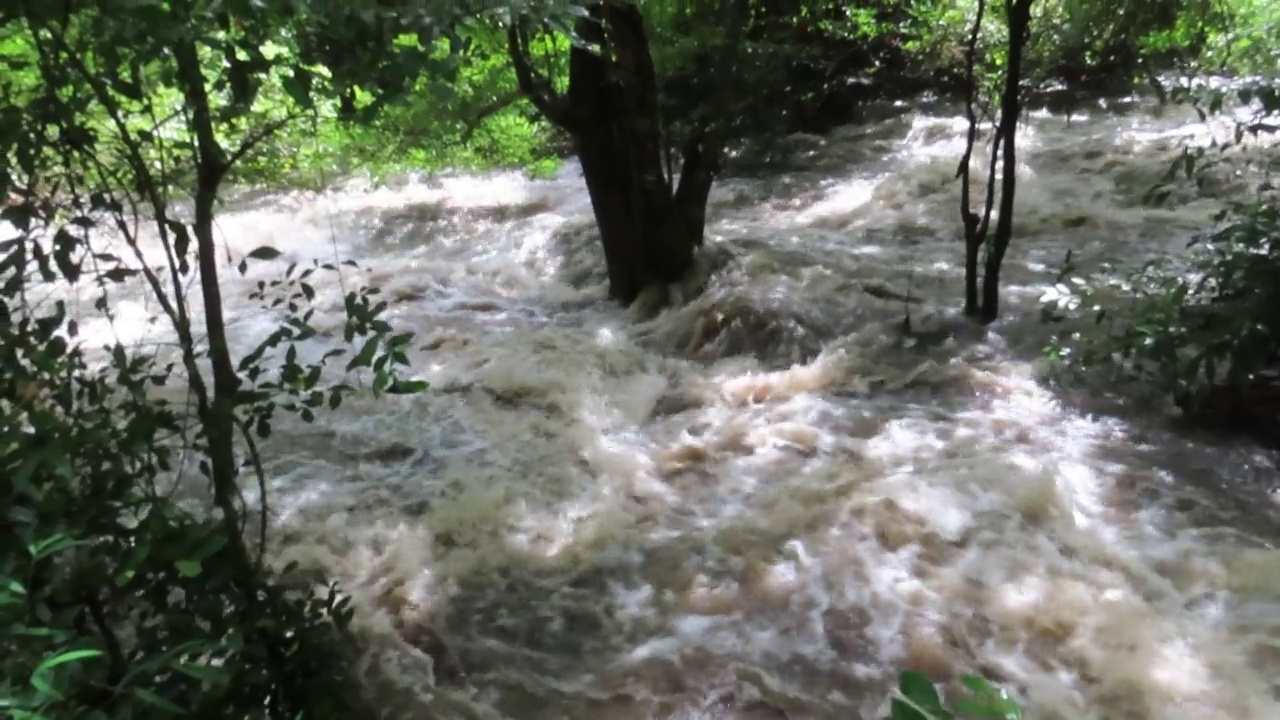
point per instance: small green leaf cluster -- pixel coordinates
(295, 386)
(916, 698)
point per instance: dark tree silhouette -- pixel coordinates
(650, 223)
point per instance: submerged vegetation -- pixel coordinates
(124, 122)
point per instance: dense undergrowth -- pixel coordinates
(119, 601)
(1201, 330)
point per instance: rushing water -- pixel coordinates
(761, 504)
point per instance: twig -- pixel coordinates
(256, 460)
(488, 110)
(258, 136)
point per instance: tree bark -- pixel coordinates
(1019, 14)
(217, 413)
(649, 226)
(975, 226)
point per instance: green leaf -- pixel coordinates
(298, 85)
(400, 341)
(917, 688)
(65, 658)
(265, 252)
(51, 546)
(365, 356)
(407, 387)
(977, 685)
(203, 673)
(980, 709)
(42, 686)
(899, 710)
(155, 700)
(989, 701)
(188, 568)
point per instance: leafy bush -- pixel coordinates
(1202, 330)
(116, 599)
(1196, 330)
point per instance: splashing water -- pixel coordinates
(760, 504)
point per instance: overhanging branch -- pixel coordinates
(533, 85)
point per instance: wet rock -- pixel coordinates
(735, 326)
(395, 452)
(895, 527)
(759, 710)
(414, 223)
(478, 306)
(884, 292)
(417, 508)
(674, 403)
(445, 342)
(407, 295)
(660, 676)
(446, 665)
(845, 630)
(674, 460)
(407, 222)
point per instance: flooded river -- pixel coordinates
(761, 503)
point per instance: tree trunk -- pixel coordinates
(216, 412)
(1019, 14)
(972, 246)
(975, 226)
(621, 150)
(648, 227)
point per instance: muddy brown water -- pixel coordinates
(758, 504)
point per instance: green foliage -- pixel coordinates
(1237, 36)
(916, 698)
(116, 599)
(475, 121)
(1204, 330)
(322, 90)
(1187, 330)
(429, 90)
(115, 602)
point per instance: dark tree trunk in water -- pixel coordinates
(985, 307)
(1019, 14)
(649, 227)
(975, 226)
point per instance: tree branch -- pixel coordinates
(258, 136)
(488, 110)
(255, 460)
(537, 88)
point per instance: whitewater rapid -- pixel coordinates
(762, 503)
